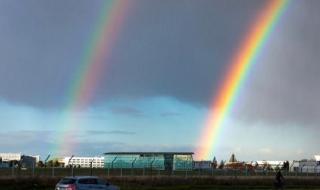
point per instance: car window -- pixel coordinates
(102, 182)
(66, 181)
(88, 181)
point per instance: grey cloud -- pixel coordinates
(42, 45)
(151, 148)
(176, 48)
(283, 87)
(26, 142)
(164, 48)
(180, 49)
(99, 147)
(23, 135)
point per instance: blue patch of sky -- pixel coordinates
(178, 128)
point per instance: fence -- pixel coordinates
(58, 172)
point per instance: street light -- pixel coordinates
(45, 161)
(71, 164)
(91, 166)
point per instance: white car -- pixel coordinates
(84, 183)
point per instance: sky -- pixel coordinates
(161, 76)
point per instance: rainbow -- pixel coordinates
(90, 71)
(241, 63)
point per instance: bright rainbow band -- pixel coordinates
(241, 62)
(90, 70)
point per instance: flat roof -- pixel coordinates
(177, 153)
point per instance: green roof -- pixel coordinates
(176, 153)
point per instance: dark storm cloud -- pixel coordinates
(42, 43)
(165, 47)
(284, 85)
(176, 48)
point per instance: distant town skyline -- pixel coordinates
(157, 83)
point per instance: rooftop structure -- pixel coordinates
(132, 153)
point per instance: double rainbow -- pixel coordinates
(90, 70)
(241, 62)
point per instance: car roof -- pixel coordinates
(81, 177)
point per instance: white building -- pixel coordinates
(6, 157)
(317, 157)
(25, 160)
(273, 164)
(309, 166)
(37, 157)
(84, 162)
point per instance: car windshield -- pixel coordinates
(67, 181)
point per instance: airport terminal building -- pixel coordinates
(169, 161)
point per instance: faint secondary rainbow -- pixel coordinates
(241, 62)
(90, 70)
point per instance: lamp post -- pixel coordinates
(71, 164)
(132, 165)
(45, 161)
(91, 166)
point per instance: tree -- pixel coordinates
(40, 164)
(233, 158)
(53, 163)
(49, 163)
(221, 165)
(56, 163)
(214, 163)
(286, 166)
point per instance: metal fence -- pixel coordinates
(55, 171)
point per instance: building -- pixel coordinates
(6, 157)
(4, 165)
(317, 157)
(18, 159)
(37, 157)
(84, 162)
(272, 164)
(202, 164)
(168, 161)
(309, 166)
